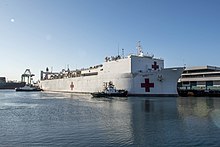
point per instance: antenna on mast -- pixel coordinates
(123, 54)
(118, 49)
(139, 49)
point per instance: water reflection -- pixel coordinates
(200, 107)
(148, 106)
(79, 120)
(196, 106)
(152, 121)
(175, 121)
(215, 115)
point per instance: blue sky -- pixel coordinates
(37, 34)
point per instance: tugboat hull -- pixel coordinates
(102, 94)
(28, 90)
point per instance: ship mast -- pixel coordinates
(139, 49)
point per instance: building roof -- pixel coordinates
(201, 73)
(202, 68)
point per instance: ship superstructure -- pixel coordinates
(138, 74)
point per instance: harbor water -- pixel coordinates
(64, 119)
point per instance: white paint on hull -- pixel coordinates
(164, 81)
(139, 75)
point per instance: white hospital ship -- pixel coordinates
(140, 75)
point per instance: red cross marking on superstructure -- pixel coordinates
(71, 86)
(147, 85)
(155, 66)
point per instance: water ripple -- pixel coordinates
(56, 119)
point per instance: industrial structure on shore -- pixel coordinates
(10, 84)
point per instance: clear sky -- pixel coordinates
(37, 34)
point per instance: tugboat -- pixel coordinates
(110, 91)
(28, 86)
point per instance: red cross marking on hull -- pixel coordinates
(71, 86)
(155, 66)
(147, 85)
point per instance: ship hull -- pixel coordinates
(156, 83)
